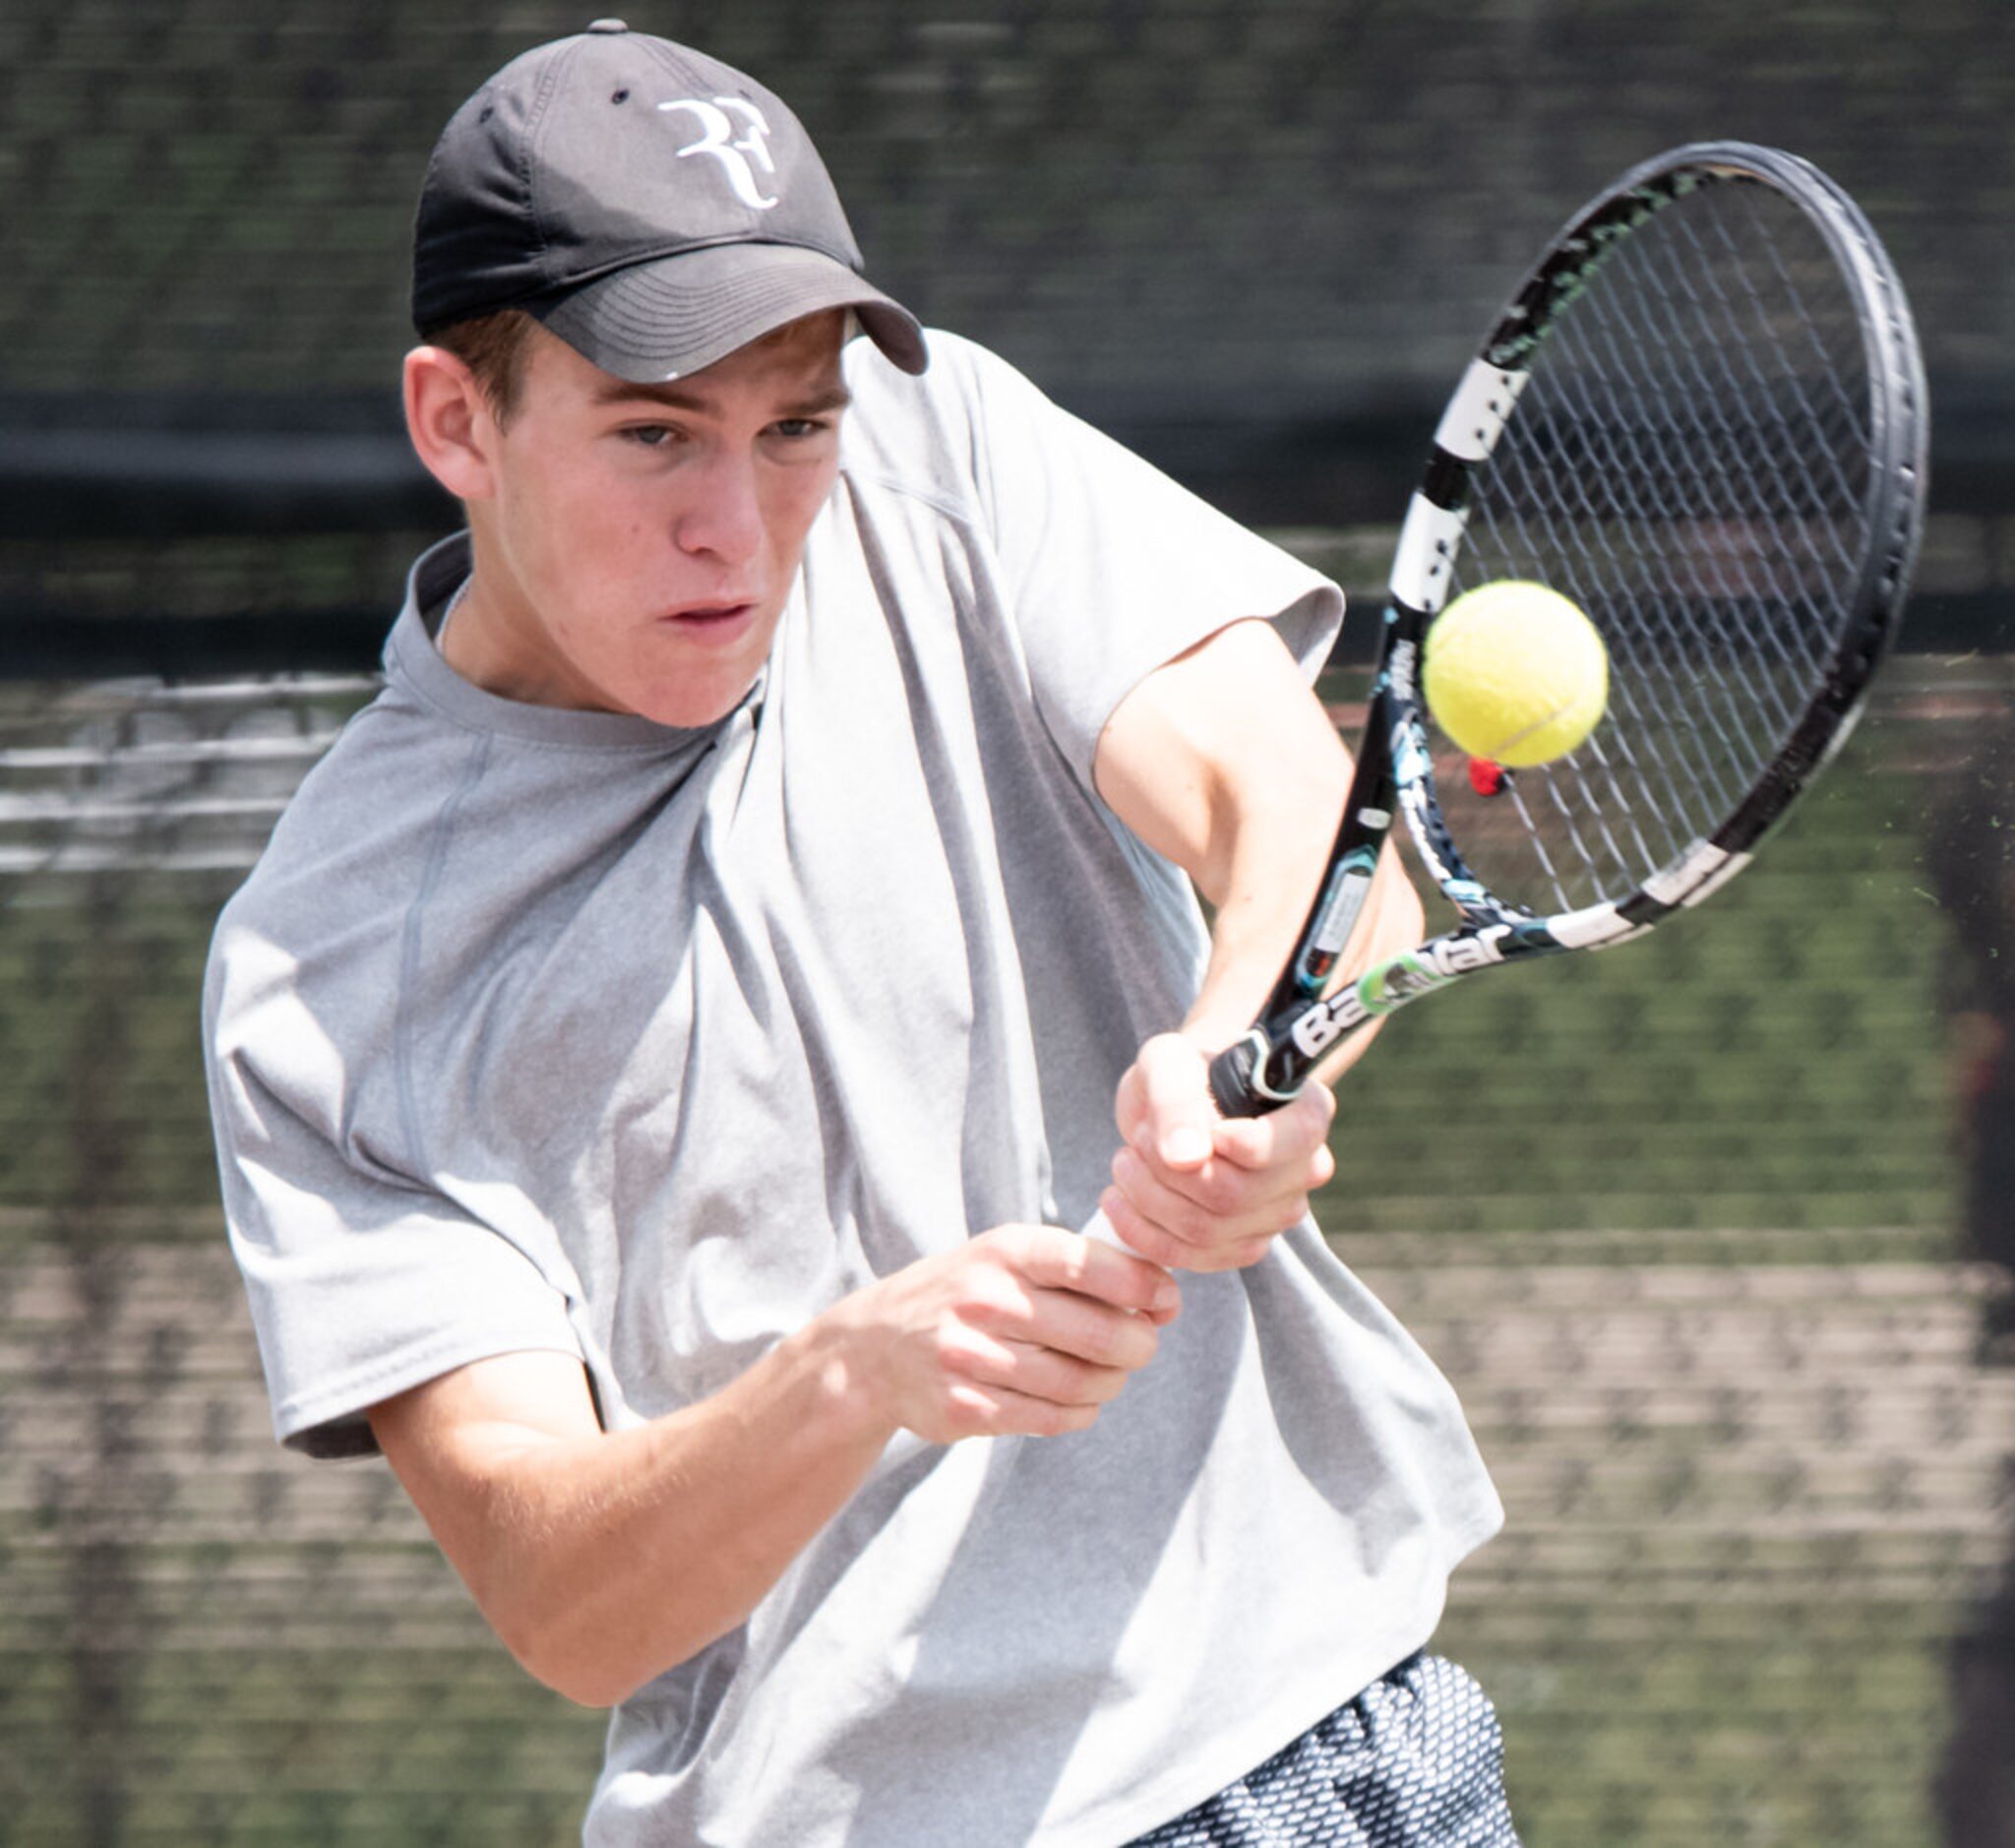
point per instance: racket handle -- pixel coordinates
(1232, 1079)
(1099, 1229)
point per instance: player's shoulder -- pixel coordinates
(341, 862)
(928, 432)
(960, 373)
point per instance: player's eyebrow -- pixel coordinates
(679, 397)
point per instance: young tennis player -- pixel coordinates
(664, 1048)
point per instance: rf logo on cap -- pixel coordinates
(735, 156)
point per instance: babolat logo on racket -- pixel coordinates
(1393, 984)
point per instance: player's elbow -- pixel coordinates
(552, 1655)
(587, 1641)
(578, 1684)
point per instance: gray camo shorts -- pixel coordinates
(1417, 1760)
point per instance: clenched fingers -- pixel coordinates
(1221, 1212)
(1023, 1329)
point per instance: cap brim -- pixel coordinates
(662, 320)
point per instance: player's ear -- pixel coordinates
(449, 417)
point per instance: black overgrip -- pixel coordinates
(1232, 1085)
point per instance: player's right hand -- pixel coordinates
(1025, 1329)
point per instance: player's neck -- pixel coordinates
(492, 637)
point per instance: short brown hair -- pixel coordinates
(494, 348)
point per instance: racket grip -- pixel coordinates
(1232, 1080)
(1099, 1229)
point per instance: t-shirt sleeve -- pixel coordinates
(1112, 568)
(361, 1285)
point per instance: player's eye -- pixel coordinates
(649, 435)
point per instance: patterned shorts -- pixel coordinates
(1415, 1762)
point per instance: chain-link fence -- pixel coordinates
(1712, 1260)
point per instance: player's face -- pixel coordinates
(640, 540)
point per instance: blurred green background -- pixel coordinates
(1713, 1233)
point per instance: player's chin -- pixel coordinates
(693, 700)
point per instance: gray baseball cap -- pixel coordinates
(652, 207)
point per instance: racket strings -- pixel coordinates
(1688, 463)
(1849, 422)
(1662, 790)
(1699, 582)
(1597, 400)
(1599, 814)
(1698, 478)
(1795, 453)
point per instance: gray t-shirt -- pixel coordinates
(551, 1029)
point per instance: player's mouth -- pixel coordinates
(715, 622)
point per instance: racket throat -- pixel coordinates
(1336, 916)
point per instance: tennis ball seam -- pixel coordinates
(1558, 712)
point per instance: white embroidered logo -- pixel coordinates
(739, 157)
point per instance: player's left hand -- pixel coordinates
(1193, 1191)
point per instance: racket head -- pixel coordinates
(1701, 417)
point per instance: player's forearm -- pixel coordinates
(1248, 958)
(604, 1559)
(1259, 875)
(1225, 763)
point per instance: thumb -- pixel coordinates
(1175, 1120)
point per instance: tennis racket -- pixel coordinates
(1701, 417)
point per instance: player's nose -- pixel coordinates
(723, 516)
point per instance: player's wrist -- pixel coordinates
(846, 1399)
(1215, 1029)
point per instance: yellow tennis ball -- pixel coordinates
(1515, 672)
